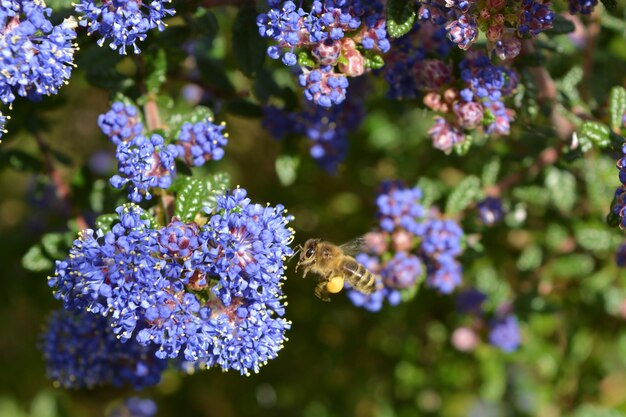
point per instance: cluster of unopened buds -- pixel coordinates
(502, 328)
(331, 41)
(412, 242)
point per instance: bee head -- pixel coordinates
(310, 246)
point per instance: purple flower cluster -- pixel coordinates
(332, 39)
(328, 129)
(620, 256)
(82, 351)
(122, 22)
(135, 407)
(210, 294)
(504, 333)
(411, 243)
(582, 6)
(505, 23)
(36, 55)
(479, 103)
(490, 211)
(146, 162)
(619, 208)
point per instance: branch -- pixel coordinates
(63, 191)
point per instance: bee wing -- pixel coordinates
(354, 246)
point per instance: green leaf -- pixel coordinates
(198, 114)
(576, 265)
(156, 68)
(216, 185)
(105, 221)
(462, 148)
(597, 132)
(287, 169)
(467, 192)
(611, 5)
(189, 198)
(531, 194)
(562, 187)
(304, 60)
(595, 238)
(373, 60)
(57, 245)
(249, 48)
(561, 25)
(617, 107)
(490, 172)
(431, 190)
(36, 259)
(530, 258)
(400, 17)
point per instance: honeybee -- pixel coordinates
(334, 266)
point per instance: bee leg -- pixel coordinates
(321, 292)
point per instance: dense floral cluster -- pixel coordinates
(82, 351)
(331, 41)
(3, 121)
(210, 293)
(36, 55)
(124, 22)
(411, 242)
(503, 328)
(328, 129)
(505, 23)
(146, 162)
(135, 407)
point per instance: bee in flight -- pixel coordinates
(334, 266)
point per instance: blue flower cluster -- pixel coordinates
(582, 6)
(82, 351)
(619, 207)
(210, 294)
(3, 121)
(331, 41)
(202, 142)
(504, 333)
(37, 56)
(328, 129)
(122, 22)
(620, 256)
(411, 243)
(146, 162)
(135, 407)
(490, 210)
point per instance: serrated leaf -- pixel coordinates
(617, 107)
(373, 61)
(287, 169)
(189, 198)
(532, 194)
(597, 132)
(561, 25)
(467, 192)
(490, 172)
(562, 187)
(105, 221)
(248, 46)
(35, 259)
(156, 68)
(400, 17)
(431, 190)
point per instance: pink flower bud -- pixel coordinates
(494, 32)
(433, 101)
(469, 115)
(327, 53)
(356, 62)
(465, 339)
(402, 240)
(376, 242)
(432, 74)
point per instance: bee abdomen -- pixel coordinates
(358, 276)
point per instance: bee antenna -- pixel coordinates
(295, 253)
